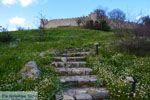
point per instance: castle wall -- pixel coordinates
(66, 22)
(73, 22)
(61, 22)
(93, 16)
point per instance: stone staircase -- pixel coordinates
(72, 68)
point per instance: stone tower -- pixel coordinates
(93, 16)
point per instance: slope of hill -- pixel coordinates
(111, 66)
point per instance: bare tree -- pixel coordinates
(43, 21)
(146, 21)
(101, 13)
(118, 16)
(81, 21)
(143, 29)
(78, 21)
(19, 28)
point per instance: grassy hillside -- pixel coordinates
(112, 66)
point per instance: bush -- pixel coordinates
(143, 29)
(137, 46)
(5, 37)
(133, 43)
(136, 41)
(89, 24)
(98, 25)
(104, 25)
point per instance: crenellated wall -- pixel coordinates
(73, 22)
(61, 22)
(66, 22)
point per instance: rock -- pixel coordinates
(30, 70)
(96, 44)
(78, 79)
(13, 45)
(75, 54)
(70, 58)
(64, 59)
(98, 94)
(69, 64)
(130, 79)
(74, 71)
(42, 54)
(83, 97)
(67, 97)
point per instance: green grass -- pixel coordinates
(111, 65)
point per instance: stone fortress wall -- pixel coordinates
(61, 22)
(73, 22)
(66, 22)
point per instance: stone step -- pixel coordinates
(86, 79)
(73, 50)
(75, 54)
(69, 64)
(90, 93)
(77, 50)
(69, 58)
(74, 71)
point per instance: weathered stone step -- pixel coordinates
(72, 50)
(69, 64)
(87, 79)
(84, 94)
(69, 58)
(78, 49)
(74, 71)
(75, 54)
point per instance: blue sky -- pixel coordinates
(26, 13)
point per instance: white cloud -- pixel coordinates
(25, 3)
(17, 21)
(8, 2)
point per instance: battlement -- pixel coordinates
(54, 23)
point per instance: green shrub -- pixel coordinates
(5, 37)
(137, 46)
(101, 25)
(89, 24)
(98, 25)
(137, 40)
